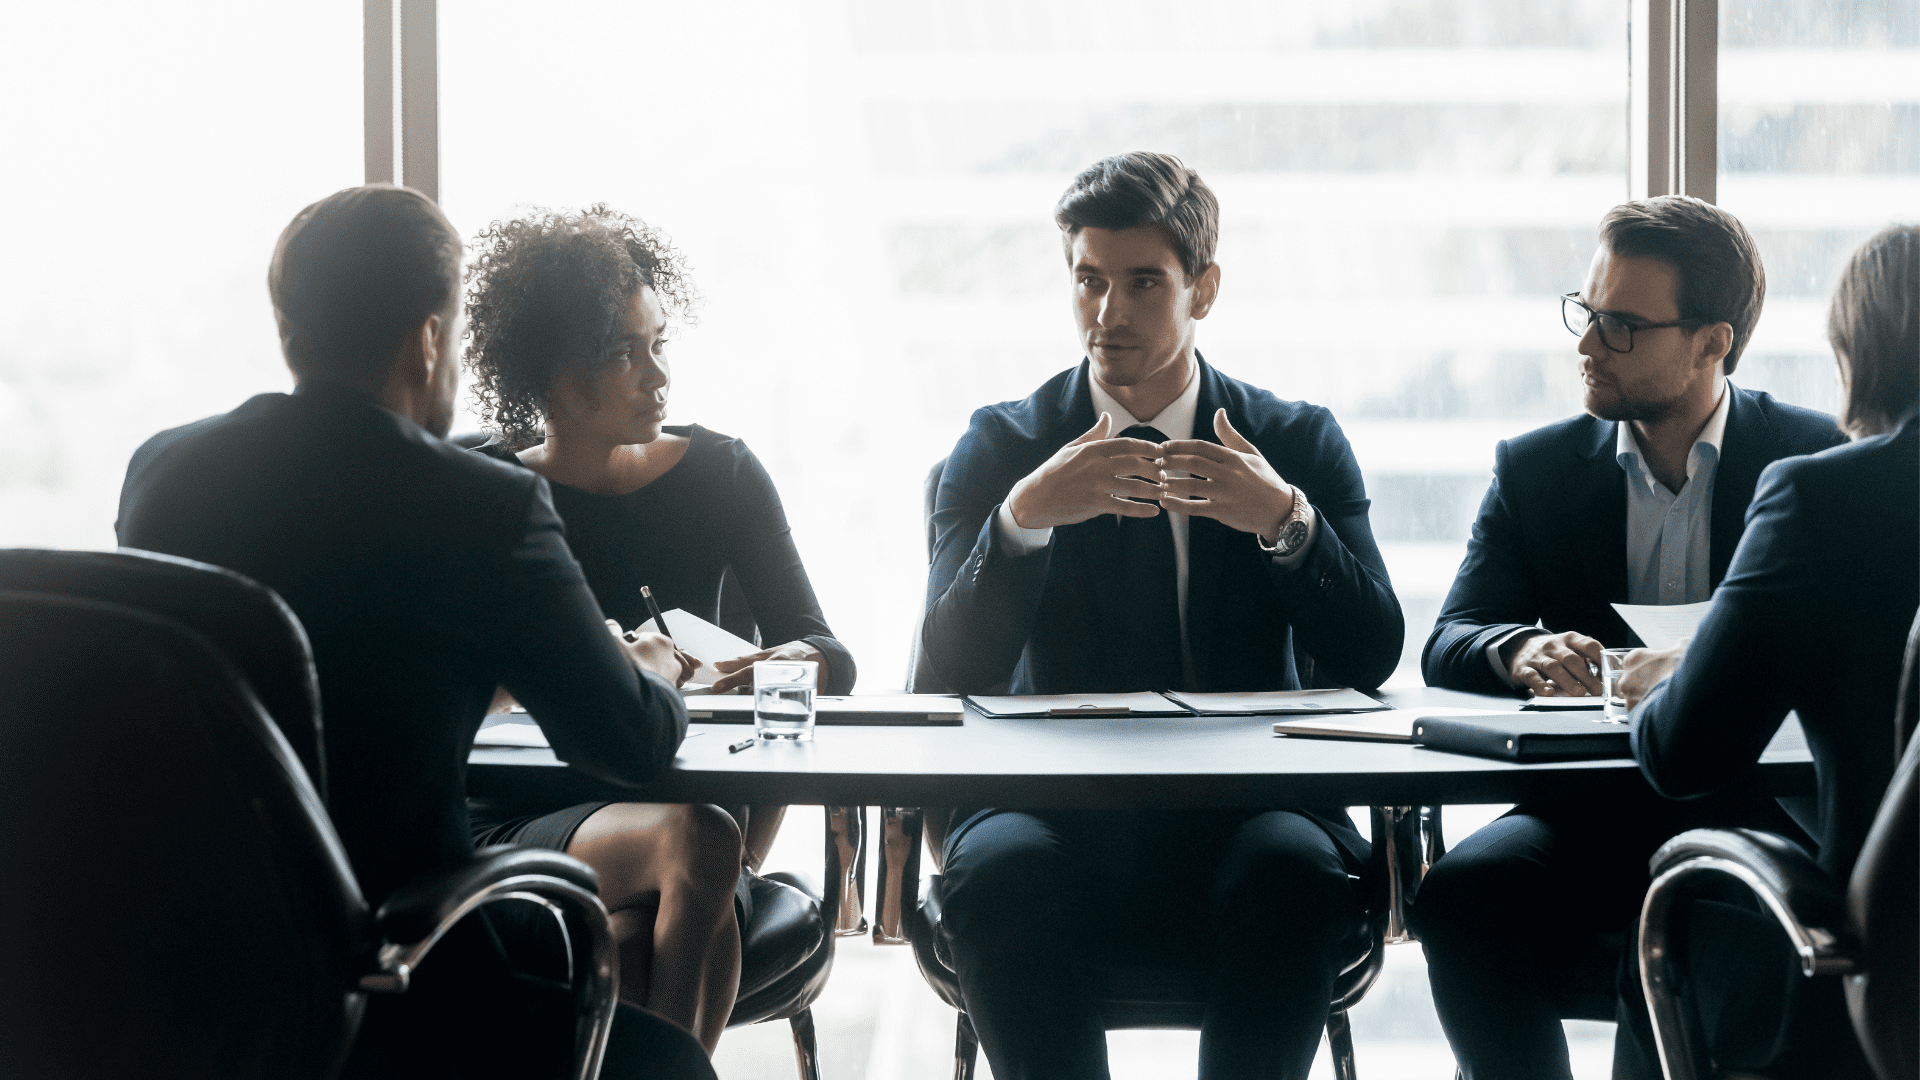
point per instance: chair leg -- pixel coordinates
(966, 1049)
(805, 1052)
(1340, 1046)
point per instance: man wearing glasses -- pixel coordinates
(1641, 501)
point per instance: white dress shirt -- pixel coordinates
(1669, 534)
(1175, 422)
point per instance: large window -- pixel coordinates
(866, 188)
(154, 152)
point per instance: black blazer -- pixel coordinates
(1033, 621)
(424, 576)
(1550, 544)
(1812, 617)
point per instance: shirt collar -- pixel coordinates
(1175, 421)
(1626, 448)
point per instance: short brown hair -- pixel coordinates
(1874, 326)
(1143, 188)
(357, 272)
(1721, 279)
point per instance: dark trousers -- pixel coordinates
(474, 1014)
(1045, 911)
(1753, 1008)
(1525, 921)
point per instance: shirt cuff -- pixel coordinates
(1288, 562)
(1493, 653)
(1019, 541)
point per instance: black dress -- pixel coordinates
(715, 510)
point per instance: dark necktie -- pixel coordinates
(1145, 595)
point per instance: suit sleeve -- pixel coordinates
(1492, 596)
(1703, 729)
(1339, 599)
(778, 591)
(981, 596)
(551, 647)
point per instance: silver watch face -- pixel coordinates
(1291, 537)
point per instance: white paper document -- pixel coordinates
(1662, 626)
(1144, 703)
(704, 640)
(1277, 702)
(511, 735)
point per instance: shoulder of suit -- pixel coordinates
(1804, 430)
(1575, 433)
(1029, 416)
(1259, 411)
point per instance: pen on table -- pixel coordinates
(743, 744)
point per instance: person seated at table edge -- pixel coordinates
(1812, 618)
(1641, 500)
(424, 577)
(1143, 522)
(1638, 501)
(569, 316)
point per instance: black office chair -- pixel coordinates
(1866, 930)
(178, 903)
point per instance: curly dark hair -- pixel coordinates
(545, 293)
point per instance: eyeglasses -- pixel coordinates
(1615, 333)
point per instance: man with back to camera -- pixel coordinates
(1642, 501)
(425, 577)
(1144, 522)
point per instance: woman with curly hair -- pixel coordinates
(568, 316)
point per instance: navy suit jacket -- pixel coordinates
(1550, 544)
(1035, 621)
(1813, 617)
(424, 576)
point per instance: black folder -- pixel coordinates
(1523, 736)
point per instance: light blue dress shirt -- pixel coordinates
(1669, 536)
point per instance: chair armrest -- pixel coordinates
(898, 886)
(1406, 843)
(1809, 904)
(416, 908)
(845, 897)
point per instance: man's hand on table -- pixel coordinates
(1553, 665)
(1092, 475)
(1645, 669)
(738, 671)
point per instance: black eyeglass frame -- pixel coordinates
(1569, 301)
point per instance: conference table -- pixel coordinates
(1173, 762)
(1100, 762)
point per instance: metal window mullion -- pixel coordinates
(420, 96)
(1673, 102)
(377, 117)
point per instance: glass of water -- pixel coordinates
(1613, 663)
(783, 699)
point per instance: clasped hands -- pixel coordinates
(1229, 481)
(1568, 665)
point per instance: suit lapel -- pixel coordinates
(1603, 525)
(1749, 445)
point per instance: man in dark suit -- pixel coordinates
(1640, 501)
(425, 577)
(1145, 522)
(1812, 618)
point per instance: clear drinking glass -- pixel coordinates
(783, 699)
(1613, 663)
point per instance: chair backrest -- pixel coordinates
(177, 904)
(244, 620)
(920, 675)
(1883, 901)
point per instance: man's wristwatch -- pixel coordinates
(1293, 531)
